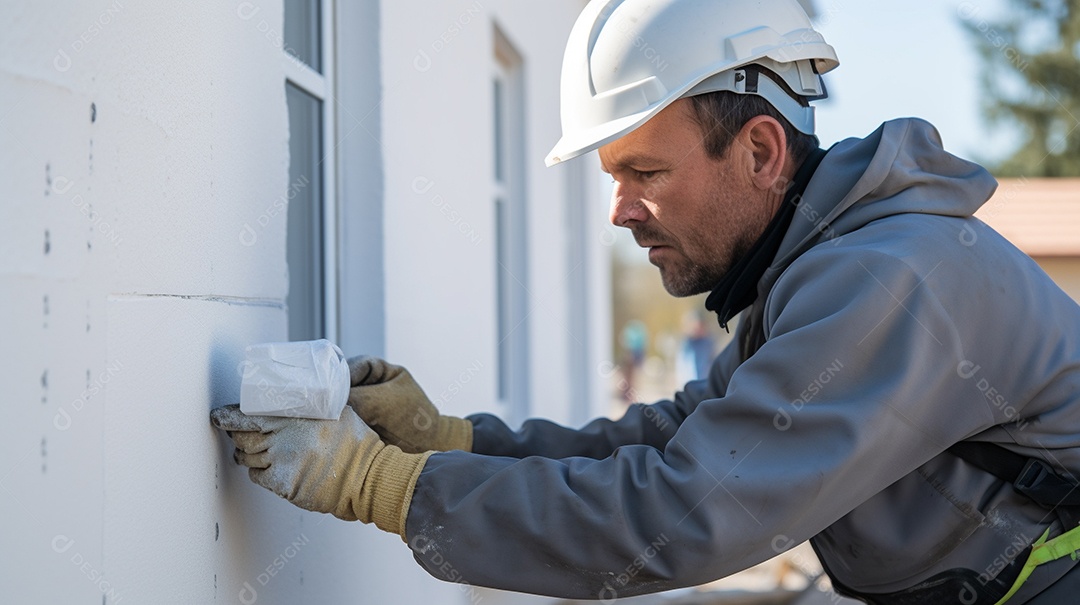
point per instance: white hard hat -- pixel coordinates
(628, 59)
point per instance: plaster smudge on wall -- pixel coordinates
(45, 386)
(43, 455)
(47, 245)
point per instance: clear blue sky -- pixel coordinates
(909, 58)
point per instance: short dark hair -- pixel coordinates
(722, 114)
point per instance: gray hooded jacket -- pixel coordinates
(891, 325)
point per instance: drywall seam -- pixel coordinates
(229, 300)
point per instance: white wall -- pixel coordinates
(128, 297)
(143, 251)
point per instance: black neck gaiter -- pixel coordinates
(737, 289)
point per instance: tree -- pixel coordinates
(1031, 79)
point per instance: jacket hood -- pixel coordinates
(902, 167)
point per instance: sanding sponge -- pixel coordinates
(306, 379)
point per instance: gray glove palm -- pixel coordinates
(339, 466)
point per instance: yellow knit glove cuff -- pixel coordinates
(453, 434)
(388, 489)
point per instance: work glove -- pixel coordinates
(388, 399)
(339, 466)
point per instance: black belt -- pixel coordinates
(1029, 476)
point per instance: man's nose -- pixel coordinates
(626, 206)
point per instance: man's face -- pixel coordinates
(697, 215)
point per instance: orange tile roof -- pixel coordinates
(1039, 216)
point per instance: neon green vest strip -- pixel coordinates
(1067, 544)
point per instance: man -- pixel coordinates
(883, 325)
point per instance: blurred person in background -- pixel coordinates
(634, 340)
(697, 350)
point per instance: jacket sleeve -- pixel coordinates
(843, 399)
(642, 424)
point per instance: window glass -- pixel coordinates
(511, 246)
(304, 250)
(302, 28)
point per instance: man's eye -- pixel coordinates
(647, 174)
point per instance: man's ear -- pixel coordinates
(764, 137)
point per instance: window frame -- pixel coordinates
(321, 86)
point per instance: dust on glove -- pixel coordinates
(339, 466)
(388, 399)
